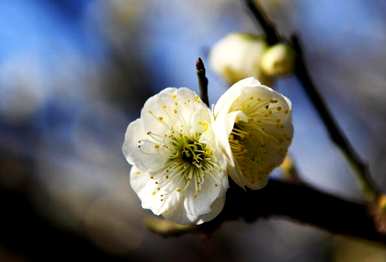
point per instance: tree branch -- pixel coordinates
(272, 35)
(296, 202)
(368, 187)
(303, 204)
(337, 136)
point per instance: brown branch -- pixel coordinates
(272, 35)
(368, 187)
(296, 202)
(335, 133)
(202, 81)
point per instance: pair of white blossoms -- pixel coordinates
(182, 152)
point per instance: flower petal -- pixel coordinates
(178, 214)
(225, 102)
(140, 150)
(158, 112)
(154, 196)
(215, 209)
(223, 126)
(172, 109)
(182, 208)
(198, 204)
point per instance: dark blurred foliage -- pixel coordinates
(74, 73)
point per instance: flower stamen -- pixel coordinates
(190, 158)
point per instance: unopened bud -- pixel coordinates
(278, 60)
(237, 56)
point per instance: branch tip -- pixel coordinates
(202, 81)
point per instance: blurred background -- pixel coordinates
(74, 73)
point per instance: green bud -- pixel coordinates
(278, 60)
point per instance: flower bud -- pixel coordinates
(238, 56)
(278, 60)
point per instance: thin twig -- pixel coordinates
(368, 187)
(367, 184)
(272, 35)
(202, 81)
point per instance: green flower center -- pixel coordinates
(193, 152)
(192, 159)
(189, 151)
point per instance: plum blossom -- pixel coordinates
(179, 169)
(253, 124)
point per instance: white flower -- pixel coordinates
(237, 56)
(253, 124)
(179, 170)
